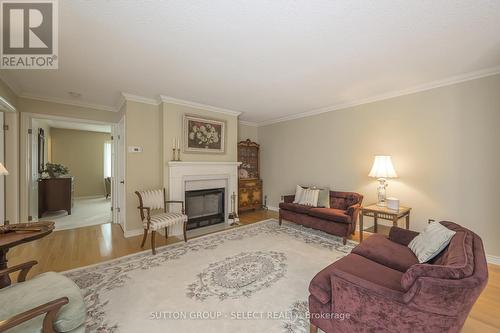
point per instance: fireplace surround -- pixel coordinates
(196, 176)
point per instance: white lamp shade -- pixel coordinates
(382, 167)
(3, 171)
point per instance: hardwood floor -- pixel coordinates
(68, 249)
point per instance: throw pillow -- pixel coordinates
(324, 196)
(431, 242)
(299, 190)
(309, 197)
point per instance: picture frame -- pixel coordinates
(204, 135)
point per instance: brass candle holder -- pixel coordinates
(176, 154)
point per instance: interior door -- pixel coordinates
(2, 178)
(33, 175)
(118, 188)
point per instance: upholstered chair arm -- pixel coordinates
(175, 201)
(289, 198)
(50, 309)
(343, 282)
(353, 211)
(402, 236)
(24, 268)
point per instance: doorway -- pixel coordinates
(71, 171)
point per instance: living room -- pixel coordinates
(273, 166)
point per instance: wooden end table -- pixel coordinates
(384, 213)
(11, 236)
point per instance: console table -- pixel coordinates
(383, 213)
(55, 194)
(16, 234)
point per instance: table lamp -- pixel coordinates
(382, 169)
(3, 171)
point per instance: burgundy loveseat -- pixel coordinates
(380, 286)
(340, 219)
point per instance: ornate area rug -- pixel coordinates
(253, 278)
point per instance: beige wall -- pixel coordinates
(173, 127)
(444, 143)
(248, 132)
(83, 153)
(143, 128)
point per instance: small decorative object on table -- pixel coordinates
(382, 168)
(383, 213)
(54, 170)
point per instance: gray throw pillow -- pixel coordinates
(431, 241)
(324, 196)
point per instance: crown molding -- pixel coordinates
(423, 87)
(68, 102)
(139, 99)
(168, 99)
(249, 123)
(6, 106)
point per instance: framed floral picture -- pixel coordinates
(203, 135)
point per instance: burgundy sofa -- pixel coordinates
(340, 219)
(383, 288)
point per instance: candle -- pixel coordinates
(173, 143)
(178, 144)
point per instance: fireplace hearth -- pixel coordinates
(205, 207)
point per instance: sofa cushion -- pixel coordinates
(455, 262)
(294, 207)
(42, 289)
(330, 214)
(320, 286)
(386, 252)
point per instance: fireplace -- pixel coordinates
(205, 207)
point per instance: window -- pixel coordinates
(107, 159)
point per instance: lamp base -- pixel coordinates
(381, 192)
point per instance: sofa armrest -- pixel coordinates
(340, 278)
(353, 211)
(402, 236)
(289, 198)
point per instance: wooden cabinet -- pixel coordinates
(249, 184)
(55, 194)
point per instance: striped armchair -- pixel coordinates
(155, 215)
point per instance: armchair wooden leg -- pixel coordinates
(280, 220)
(144, 238)
(313, 328)
(344, 240)
(166, 232)
(153, 236)
(185, 227)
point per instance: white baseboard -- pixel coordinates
(274, 209)
(495, 260)
(91, 197)
(133, 233)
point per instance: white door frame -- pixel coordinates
(119, 153)
(25, 167)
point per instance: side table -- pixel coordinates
(13, 235)
(384, 213)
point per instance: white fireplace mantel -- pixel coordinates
(203, 175)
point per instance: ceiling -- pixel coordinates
(55, 123)
(268, 59)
